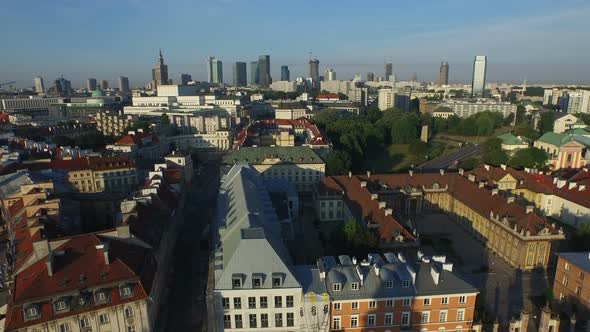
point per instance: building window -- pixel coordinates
(389, 284)
(427, 301)
(65, 327)
(252, 320)
(279, 320)
(126, 291)
(129, 312)
(565, 281)
(443, 316)
(278, 301)
(290, 319)
(406, 302)
(354, 305)
(336, 323)
(84, 322)
(263, 320)
(444, 300)
(372, 319)
(354, 286)
(236, 282)
(257, 282)
(289, 301)
(581, 275)
(460, 314)
(405, 318)
(389, 303)
(225, 302)
(238, 321)
(406, 283)
(462, 299)
(237, 303)
(337, 306)
(567, 265)
(388, 318)
(103, 318)
(372, 304)
(424, 317)
(336, 287)
(276, 281)
(579, 290)
(60, 305)
(263, 302)
(354, 321)
(227, 321)
(252, 302)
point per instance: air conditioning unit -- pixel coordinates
(130, 320)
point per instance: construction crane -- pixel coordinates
(7, 83)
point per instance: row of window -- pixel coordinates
(262, 302)
(103, 319)
(254, 322)
(406, 302)
(355, 285)
(404, 321)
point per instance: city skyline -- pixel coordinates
(425, 44)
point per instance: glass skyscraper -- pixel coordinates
(478, 84)
(215, 72)
(264, 70)
(285, 74)
(239, 71)
(254, 78)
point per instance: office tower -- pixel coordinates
(160, 72)
(214, 70)
(314, 73)
(39, 86)
(254, 78)
(478, 84)
(91, 84)
(103, 84)
(330, 75)
(285, 73)
(370, 77)
(443, 77)
(63, 86)
(388, 70)
(185, 78)
(124, 84)
(264, 70)
(239, 71)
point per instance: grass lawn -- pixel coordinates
(397, 157)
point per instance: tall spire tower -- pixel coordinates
(160, 72)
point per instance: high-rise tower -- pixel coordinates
(124, 84)
(388, 70)
(160, 72)
(264, 70)
(443, 77)
(39, 86)
(239, 74)
(285, 73)
(254, 77)
(215, 70)
(91, 84)
(314, 72)
(478, 83)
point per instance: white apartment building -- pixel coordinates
(220, 140)
(285, 86)
(255, 288)
(399, 98)
(174, 90)
(336, 86)
(466, 107)
(578, 101)
(202, 122)
(31, 103)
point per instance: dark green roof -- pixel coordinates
(510, 139)
(256, 155)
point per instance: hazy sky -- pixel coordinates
(544, 41)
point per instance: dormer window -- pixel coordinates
(389, 284)
(101, 297)
(336, 287)
(406, 283)
(354, 286)
(256, 282)
(31, 312)
(277, 280)
(126, 291)
(60, 305)
(236, 282)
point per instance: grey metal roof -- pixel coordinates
(448, 281)
(249, 233)
(10, 183)
(309, 278)
(579, 259)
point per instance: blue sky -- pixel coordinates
(545, 41)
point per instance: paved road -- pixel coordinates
(446, 161)
(187, 301)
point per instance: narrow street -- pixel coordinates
(187, 307)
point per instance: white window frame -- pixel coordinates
(374, 318)
(354, 305)
(443, 316)
(60, 305)
(372, 304)
(388, 319)
(389, 284)
(103, 318)
(460, 314)
(337, 306)
(407, 302)
(32, 311)
(129, 312)
(65, 327)
(408, 317)
(354, 286)
(337, 323)
(389, 303)
(427, 301)
(336, 287)
(354, 318)
(425, 314)
(462, 299)
(84, 322)
(445, 300)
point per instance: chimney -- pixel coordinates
(369, 174)
(503, 166)
(442, 171)
(461, 171)
(104, 248)
(571, 185)
(510, 199)
(481, 184)
(530, 208)
(374, 197)
(471, 177)
(349, 174)
(382, 205)
(353, 260)
(487, 167)
(360, 274)
(388, 212)
(363, 184)
(123, 232)
(447, 267)
(411, 172)
(494, 191)
(49, 264)
(435, 274)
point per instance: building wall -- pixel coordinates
(220, 141)
(115, 179)
(572, 285)
(304, 176)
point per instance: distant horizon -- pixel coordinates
(541, 41)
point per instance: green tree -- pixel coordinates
(469, 164)
(418, 148)
(526, 130)
(338, 163)
(165, 120)
(529, 157)
(373, 114)
(547, 121)
(351, 230)
(403, 131)
(493, 153)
